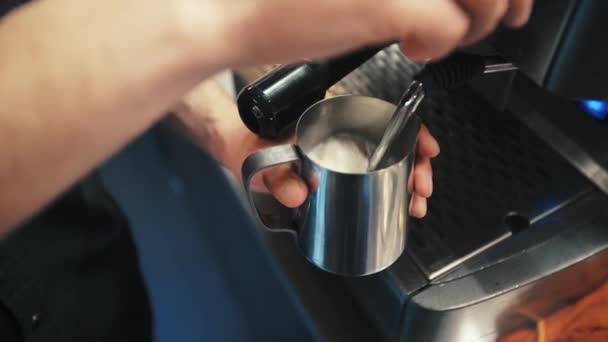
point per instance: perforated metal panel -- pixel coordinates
(385, 76)
(489, 165)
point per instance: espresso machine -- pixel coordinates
(517, 226)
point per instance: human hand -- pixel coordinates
(278, 31)
(212, 119)
(289, 189)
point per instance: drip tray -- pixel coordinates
(492, 178)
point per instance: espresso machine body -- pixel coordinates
(562, 47)
(517, 226)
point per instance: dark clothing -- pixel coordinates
(71, 273)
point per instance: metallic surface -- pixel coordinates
(508, 295)
(538, 232)
(406, 108)
(499, 67)
(535, 46)
(388, 68)
(560, 48)
(350, 224)
(408, 104)
(490, 165)
(564, 145)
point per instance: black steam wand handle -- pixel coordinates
(272, 104)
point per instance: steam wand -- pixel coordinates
(453, 71)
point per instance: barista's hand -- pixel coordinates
(268, 31)
(289, 189)
(211, 118)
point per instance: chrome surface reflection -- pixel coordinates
(352, 224)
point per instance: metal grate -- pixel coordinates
(489, 165)
(388, 68)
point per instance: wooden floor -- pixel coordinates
(585, 320)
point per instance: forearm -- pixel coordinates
(207, 114)
(77, 82)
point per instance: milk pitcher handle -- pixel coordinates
(264, 159)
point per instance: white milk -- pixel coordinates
(343, 153)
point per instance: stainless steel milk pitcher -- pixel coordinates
(352, 223)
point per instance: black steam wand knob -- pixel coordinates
(272, 104)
